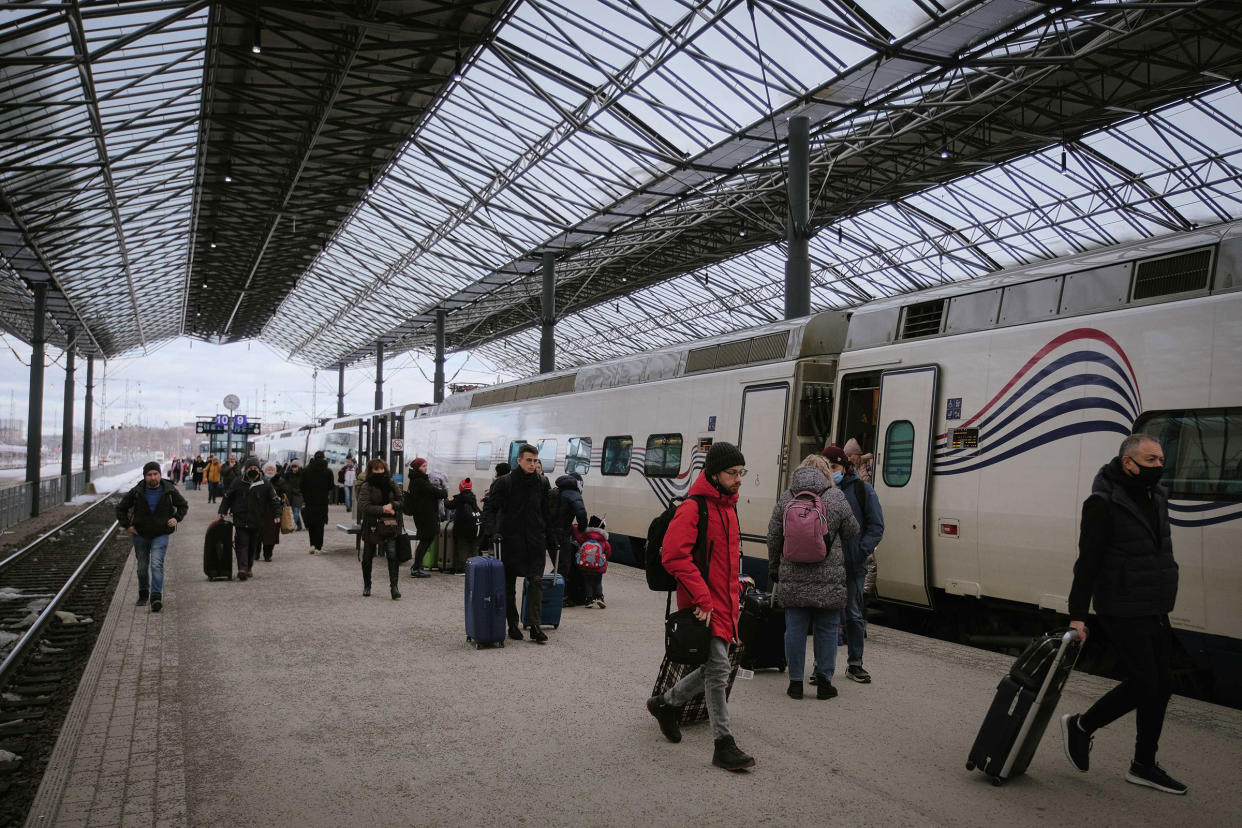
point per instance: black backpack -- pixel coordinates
(658, 579)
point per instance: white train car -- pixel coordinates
(990, 405)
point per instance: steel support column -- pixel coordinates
(439, 377)
(340, 390)
(34, 417)
(66, 431)
(379, 375)
(88, 420)
(547, 343)
(798, 265)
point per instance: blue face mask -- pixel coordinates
(836, 477)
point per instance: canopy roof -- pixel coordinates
(338, 187)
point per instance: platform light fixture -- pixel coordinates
(255, 45)
(944, 153)
(1062, 159)
(370, 182)
(457, 67)
(211, 240)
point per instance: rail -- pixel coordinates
(15, 498)
(26, 549)
(31, 635)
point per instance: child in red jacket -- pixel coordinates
(594, 552)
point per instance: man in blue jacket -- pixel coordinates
(866, 507)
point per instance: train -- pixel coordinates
(989, 406)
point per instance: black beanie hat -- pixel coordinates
(152, 466)
(723, 456)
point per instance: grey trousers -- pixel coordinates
(712, 680)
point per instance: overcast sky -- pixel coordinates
(186, 379)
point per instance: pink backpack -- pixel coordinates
(591, 557)
(805, 527)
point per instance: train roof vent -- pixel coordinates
(492, 396)
(1173, 274)
(769, 346)
(923, 319)
(729, 354)
(701, 359)
(345, 424)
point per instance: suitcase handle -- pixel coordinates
(1069, 637)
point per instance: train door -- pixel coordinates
(904, 439)
(761, 437)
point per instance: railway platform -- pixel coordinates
(290, 699)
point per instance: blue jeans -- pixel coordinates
(827, 623)
(297, 517)
(855, 623)
(349, 498)
(150, 555)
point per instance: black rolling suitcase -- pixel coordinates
(761, 629)
(218, 550)
(1025, 700)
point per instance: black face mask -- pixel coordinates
(252, 475)
(1148, 476)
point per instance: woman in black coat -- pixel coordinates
(317, 486)
(378, 497)
(422, 502)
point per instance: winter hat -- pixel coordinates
(723, 456)
(465, 485)
(417, 461)
(834, 454)
(319, 455)
(852, 448)
(152, 466)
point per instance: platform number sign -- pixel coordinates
(222, 420)
(953, 408)
(239, 423)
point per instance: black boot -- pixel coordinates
(668, 716)
(515, 632)
(157, 602)
(730, 757)
(795, 690)
(537, 635)
(366, 590)
(396, 593)
(142, 598)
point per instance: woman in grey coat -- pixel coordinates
(811, 593)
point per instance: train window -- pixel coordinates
(663, 457)
(578, 458)
(547, 455)
(617, 452)
(513, 452)
(1202, 451)
(483, 456)
(898, 453)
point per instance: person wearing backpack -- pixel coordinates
(712, 594)
(568, 508)
(866, 507)
(594, 551)
(806, 565)
(467, 523)
(423, 503)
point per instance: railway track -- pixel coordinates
(54, 593)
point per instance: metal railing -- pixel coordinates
(15, 498)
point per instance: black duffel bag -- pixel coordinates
(687, 640)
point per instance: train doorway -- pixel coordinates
(904, 435)
(761, 437)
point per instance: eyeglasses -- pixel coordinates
(731, 473)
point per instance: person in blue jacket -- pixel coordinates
(866, 507)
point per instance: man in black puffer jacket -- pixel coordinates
(517, 510)
(570, 507)
(422, 502)
(150, 513)
(1125, 562)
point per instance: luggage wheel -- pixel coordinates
(970, 766)
(997, 781)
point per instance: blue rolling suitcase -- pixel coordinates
(553, 597)
(485, 601)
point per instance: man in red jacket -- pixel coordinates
(714, 598)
